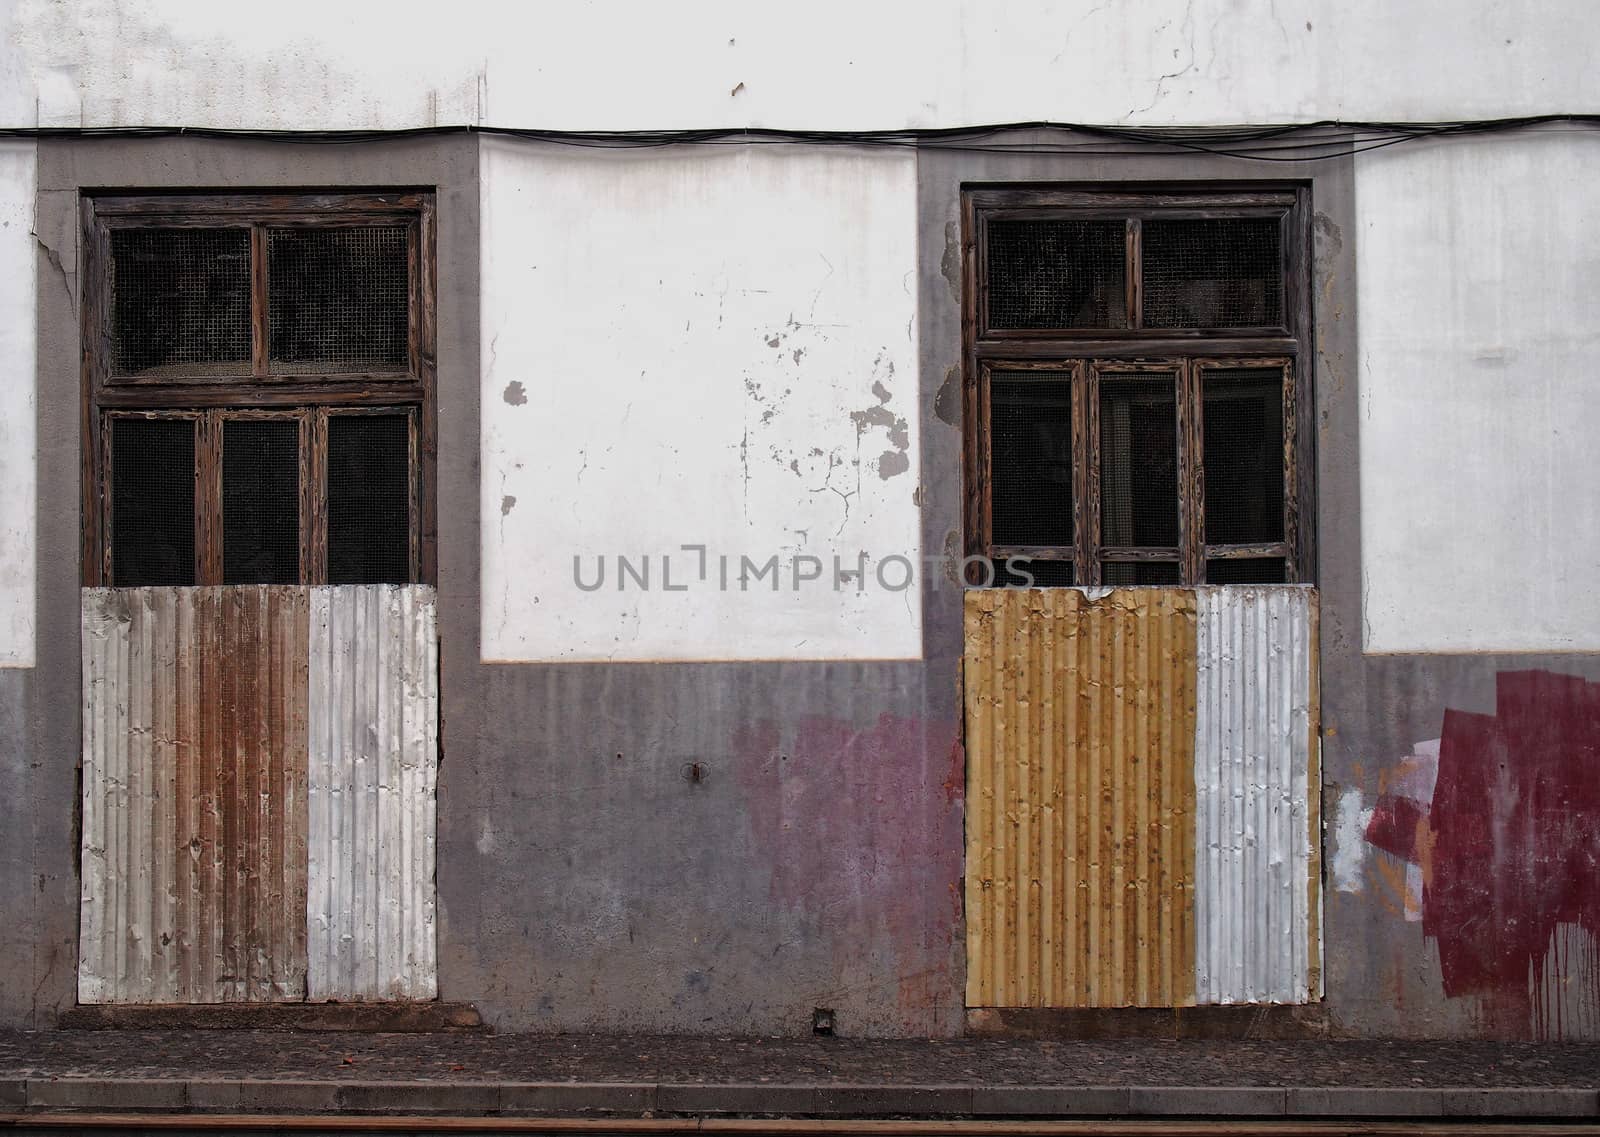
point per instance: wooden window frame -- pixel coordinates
(1082, 354)
(309, 398)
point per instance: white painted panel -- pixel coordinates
(708, 347)
(1478, 273)
(374, 712)
(18, 452)
(629, 64)
(1253, 702)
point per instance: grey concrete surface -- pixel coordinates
(633, 1075)
(819, 1100)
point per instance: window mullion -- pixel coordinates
(1133, 274)
(208, 499)
(1086, 472)
(1191, 476)
(258, 301)
(984, 489)
(414, 488)
(1291, 474)
(314, 496)
(102, 442)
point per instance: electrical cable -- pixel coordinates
(1292, 142)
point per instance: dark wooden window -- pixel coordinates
(258, 389)
(1137, 410)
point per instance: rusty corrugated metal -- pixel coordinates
(1255, 818)
(193, 795)
(1080, 839)
(374, 755)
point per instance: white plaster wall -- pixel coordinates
(17, 430)
(633, 64)
(1478, 273)
(706, 346)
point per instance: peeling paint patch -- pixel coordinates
(507, 504)
(947, 403)
(1397, 823)
(1328, 234)
(515, 394)
(1349, 845)
(891, 463)
(950, 264)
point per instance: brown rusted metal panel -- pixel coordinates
(194, 794)
(1080, 832)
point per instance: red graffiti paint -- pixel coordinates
(1511, 845)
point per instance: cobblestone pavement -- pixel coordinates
(471, 1059)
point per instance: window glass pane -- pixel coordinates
(260, 501)
(1045, 574)
(1243, 455)
(1251, 570)
(337, 299)
(1057, 274)
(180, 302)
(152, 502)
(369, 499)
(1213, 274)
(1138, 572)
(1138, 460)
(1030, 443)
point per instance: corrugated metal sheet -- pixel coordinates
(193, 795)
(373, 764)
(1080, 839)
(1255, 737)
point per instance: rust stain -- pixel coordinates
(197, 887)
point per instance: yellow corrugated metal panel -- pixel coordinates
(1080, 828)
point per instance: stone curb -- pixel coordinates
(468, 1099)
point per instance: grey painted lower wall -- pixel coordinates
(705, 848)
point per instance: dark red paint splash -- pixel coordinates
(1510, 846)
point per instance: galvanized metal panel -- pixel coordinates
(373, 765)
(1080, 840)
(1255, 730)
(193, 795)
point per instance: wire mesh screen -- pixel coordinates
(152, 502)
(1030, 443)
(1138, 572)
(337, 299)
(1213, 274)
(180, 302)
(369, 499)
(1057, 274)
(261, 501)
(1246, 570)
(1039, 574)
(1139, 461)
(1243, 454)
